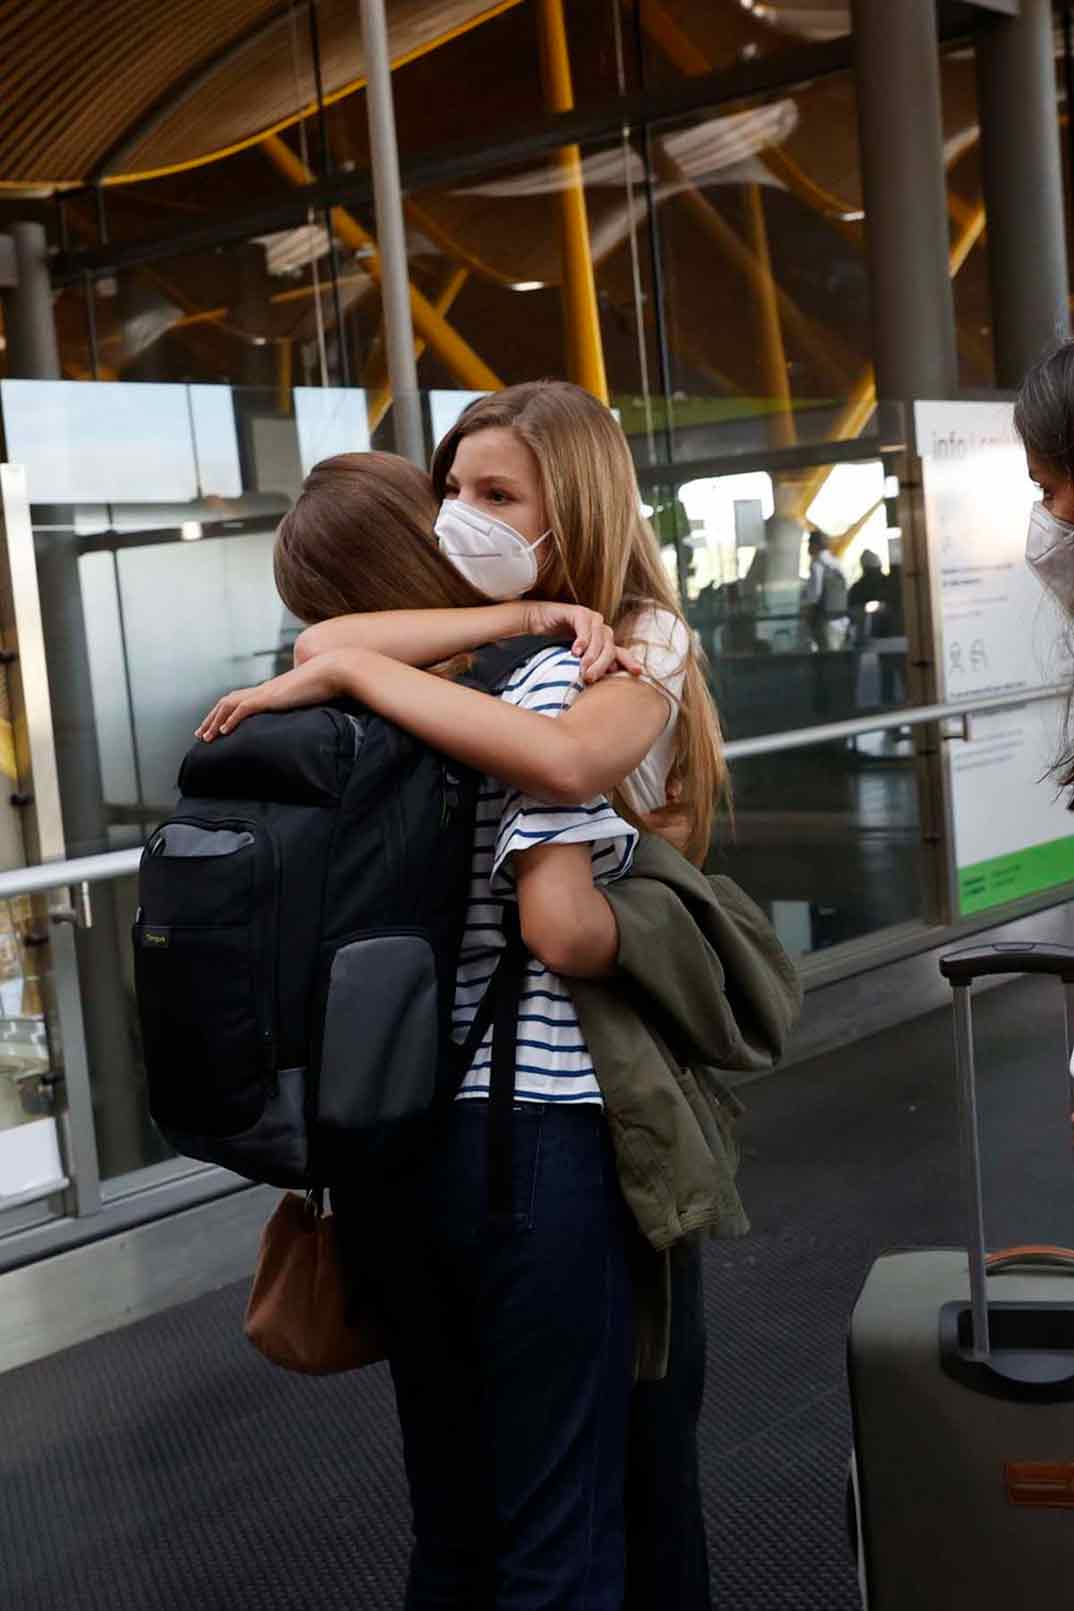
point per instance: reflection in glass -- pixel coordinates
(828, 839)
(29, 1144)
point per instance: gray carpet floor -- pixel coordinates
(168, 1468)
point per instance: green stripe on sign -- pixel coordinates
(1022, 872)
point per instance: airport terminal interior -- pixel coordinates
(805, 250)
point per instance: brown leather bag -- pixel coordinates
(296, 1312)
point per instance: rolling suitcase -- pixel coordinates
(961, 1369)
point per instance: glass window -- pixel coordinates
(154, 510)
(766, 309)
(688, 38)
(826, 837)
(494, 246)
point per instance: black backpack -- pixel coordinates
(297, 938)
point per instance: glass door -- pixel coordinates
(46, 1142)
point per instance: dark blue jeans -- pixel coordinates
(512, 1355)
(667, 1558)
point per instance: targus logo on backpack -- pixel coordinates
(156, 938)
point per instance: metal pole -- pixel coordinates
(391, 234)
(971, 1164)
(326, 170)
(585, 350)
(1068, 81)
(33, 353)
(1023, 187)
(896, 51)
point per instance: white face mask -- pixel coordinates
(493, 556)
(1050, 554)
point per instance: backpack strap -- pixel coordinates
(499, 1007)
(492, 666)
(501, 1135)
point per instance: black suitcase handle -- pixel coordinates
(962, 967)
(1022, 1351)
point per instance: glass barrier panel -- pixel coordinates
(30, 1154)
(795, 587)
(155, 509)
(828, 839)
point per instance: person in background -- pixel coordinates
(1044, 419)
(868, 589)
(826, 597)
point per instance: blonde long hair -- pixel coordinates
(606, 554)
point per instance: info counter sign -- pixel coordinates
(1000, 634)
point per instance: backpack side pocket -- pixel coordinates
(378, 1030)
(204, 959)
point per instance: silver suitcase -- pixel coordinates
(961, 1369)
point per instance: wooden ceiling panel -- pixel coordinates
(157, 85)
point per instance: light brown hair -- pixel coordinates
(606, 555)
(360, 538)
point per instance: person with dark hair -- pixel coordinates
(1044, 419)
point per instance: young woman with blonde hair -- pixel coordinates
(512, 1351)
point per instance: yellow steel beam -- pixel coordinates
(831, 207)
(455, 353)
(284, 374)
(375, 370)
(585, 350)
(775, 379)
(842, 542)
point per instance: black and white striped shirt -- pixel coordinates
(553, 1063)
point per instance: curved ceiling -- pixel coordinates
(136, 88)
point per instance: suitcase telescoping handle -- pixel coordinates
(961, 968)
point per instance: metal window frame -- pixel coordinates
(766, 76)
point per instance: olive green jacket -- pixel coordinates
(703, 988)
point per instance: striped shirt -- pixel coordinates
(553, 1062)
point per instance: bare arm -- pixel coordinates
(416, 637)
(587, 751)
(566, 921)
(429, 637)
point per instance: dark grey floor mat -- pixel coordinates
(166, 1466)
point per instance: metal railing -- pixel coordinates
(916, 716)
(121, 863)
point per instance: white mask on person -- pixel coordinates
(1050, 554)
(490, 554)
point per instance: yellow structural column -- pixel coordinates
(449, 346)
(781, 428)
(284, 374)
(585, 350)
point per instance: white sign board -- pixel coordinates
(1000, 633)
